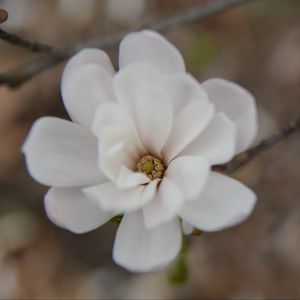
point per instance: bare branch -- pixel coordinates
(197, 14)
(263, 146)
(20, 42)
(3, 15)
(18, 76)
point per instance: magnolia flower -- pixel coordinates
(141, 143)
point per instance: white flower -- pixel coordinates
(141, 144)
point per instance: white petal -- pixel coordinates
(239, 105)
(154, 119)
(71, 209)
(151, 47)
(61, 153)
(188, 124)
(190, 174)
(140, 250)
(130, 79)
(113, 114)
(109, 197)
(225, 202)
(164, 206)
(90, 56)
(113, 151)
(128, 178)
(183, 89)
(83, 89)
(112, 163)
(187, 228)
(217, 141)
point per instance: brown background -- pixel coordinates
(258, 46)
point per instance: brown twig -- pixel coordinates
(23, 43)
(18, 76)
(14, 78)
(242, 159)
(3, 15)
(197, 14)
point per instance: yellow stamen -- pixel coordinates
(151, 167)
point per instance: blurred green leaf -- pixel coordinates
(179, 270)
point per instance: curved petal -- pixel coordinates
(70, 209)
(224, 202)
(154, 117)
(164, 206)
(61, 153)
(151, 47)
(130, 79)
(90, 56)
(188, 124)
(183, 89)
(217, 141)
(113, 151)
(190, 174)
(238, 104)
(140, 250)
(109, 197)
(109, 114)
(128, 178)
(187, 228)
(83, 89)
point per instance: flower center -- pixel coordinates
(151, 166)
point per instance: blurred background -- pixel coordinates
(258, 46)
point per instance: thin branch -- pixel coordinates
(242, 159)
(197, 14)
(3, 15)
(21, 42)
(18, 76)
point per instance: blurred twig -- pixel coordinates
(197, 14)
(3, 15)
(18, 76)
(264, 145)
(23, 43)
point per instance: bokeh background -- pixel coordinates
(258, 46)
